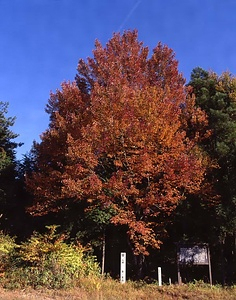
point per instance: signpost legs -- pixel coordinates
(178, 269)
(209, 264)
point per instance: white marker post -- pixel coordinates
(123, 267)
(159, 277)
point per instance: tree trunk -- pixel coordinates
(223, 261)
(103, 252)
(139, 264)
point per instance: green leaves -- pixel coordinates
(7, 160)
(217, 96)
(7, 145)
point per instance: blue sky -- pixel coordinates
(41, 42)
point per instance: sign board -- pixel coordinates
(196, 255)
(193, 255)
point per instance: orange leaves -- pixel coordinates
(194, 120)
(120, 136)
(77, 187)
(140, 232)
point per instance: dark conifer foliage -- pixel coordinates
(216, 95)
(8, 170)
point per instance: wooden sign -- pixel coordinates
(196, 255)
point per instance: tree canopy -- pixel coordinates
(7, 144)
(118, 138)
(7, 159)
(217, 96)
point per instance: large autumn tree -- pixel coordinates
(117, 139)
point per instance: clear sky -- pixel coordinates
(41, 42)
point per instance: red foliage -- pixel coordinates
(119, 135)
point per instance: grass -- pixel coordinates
(108, 289)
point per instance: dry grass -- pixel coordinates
(110, 289)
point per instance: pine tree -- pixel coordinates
(7, 163)
(216, 95)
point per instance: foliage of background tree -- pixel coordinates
(117, 138)
(7, 163)
(216, 95)
(6, 136)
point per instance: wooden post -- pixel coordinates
(209, 264)
(103, 252)
(178, 269)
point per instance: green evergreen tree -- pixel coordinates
(216, 95)
(7, 164)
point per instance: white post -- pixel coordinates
(123, 267)
(159, 277)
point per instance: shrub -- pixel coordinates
(45, 260)
(7, 247)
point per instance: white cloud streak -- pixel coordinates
(129, 14)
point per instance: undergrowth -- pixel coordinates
(46, 267)
(44, 260)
